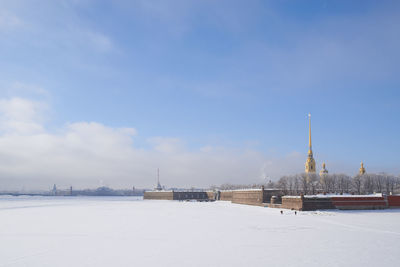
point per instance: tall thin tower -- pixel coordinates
(158, 187)
(310, 163)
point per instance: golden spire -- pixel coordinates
(310, 163)
(309, 135)
(362, 169)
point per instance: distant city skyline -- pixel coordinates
(102, 93)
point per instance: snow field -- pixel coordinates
(117, 231)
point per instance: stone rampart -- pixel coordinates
(359, 202)
(212, 195)
(190, 195)
(248, 197)
(268, 193)
(308, 203)
(292, 203)
(394, 201)
(257, 197)
(262, 197)
(180, 195)
(317, 203)
(226, 195)
(159, 195)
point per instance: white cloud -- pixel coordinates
(166, 145)
(20, 116)
(87, 154)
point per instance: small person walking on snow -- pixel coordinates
(281, 211)
(295, 213)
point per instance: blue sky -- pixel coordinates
(236, 78)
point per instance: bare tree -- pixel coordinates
(303, 179)
(324, 182)
(343, 183)
(297, 184)
(357, 184)
(338, 183)
(368, 184)
(394, 182)
(379, 182)
(313, 182)
(283, 184)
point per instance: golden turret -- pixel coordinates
(323, 171)
(362, 169)
(310, 163)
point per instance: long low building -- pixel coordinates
(258, 196)
(342, 202)
(273, 198)
(180, 195)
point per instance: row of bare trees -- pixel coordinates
(338, 184)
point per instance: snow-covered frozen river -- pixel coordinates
(117, 231)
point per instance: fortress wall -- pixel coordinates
(317, 203)
(190, 195)
(249, 197)
(211, 195)
(394, 201)
(226, 195)
(159, 195)
(306, 203)
(347, 202)
(268, 193)
(359, 202)
(261, 197)
(295, 203)
(178, 195)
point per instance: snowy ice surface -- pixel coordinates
(124, 231)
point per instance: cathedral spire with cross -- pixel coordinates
(310, 163)
(158, 187)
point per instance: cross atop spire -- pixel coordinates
(158, 187)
